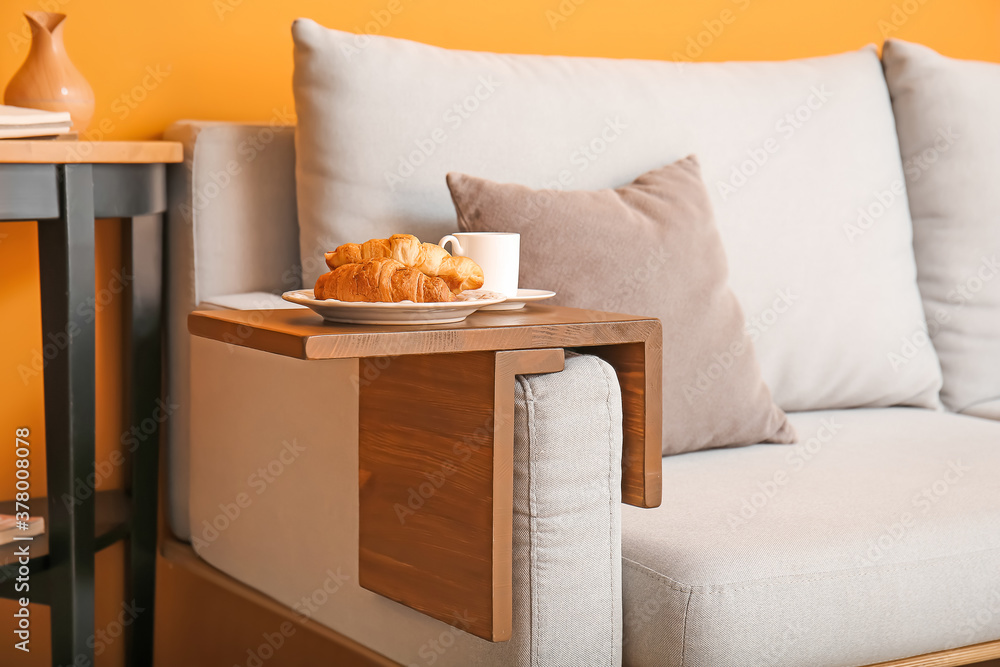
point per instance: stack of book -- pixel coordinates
(20, 123)
(9, 528)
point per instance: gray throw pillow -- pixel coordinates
(648, 248)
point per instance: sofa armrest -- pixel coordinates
(232, 228)
(567, 513)
(566, 556)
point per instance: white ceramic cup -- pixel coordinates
(498, 253)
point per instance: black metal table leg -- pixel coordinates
(142, 246)
(64, 562)
(66, 264)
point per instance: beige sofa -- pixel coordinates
(874, 539)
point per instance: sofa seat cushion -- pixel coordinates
(875, 538)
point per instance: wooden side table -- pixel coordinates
(435, 388)
(65, 185)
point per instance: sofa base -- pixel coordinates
(964, 655)
(182, 555)
(337, 648)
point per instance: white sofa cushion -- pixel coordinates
(791, 152)
(947, 115)
(876, 538)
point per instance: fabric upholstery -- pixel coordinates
(231, 229)
(713, 394)
(563, 488)
(875, 538)
(295, 534)
(989, 410)
(946, 116)
(791, 151)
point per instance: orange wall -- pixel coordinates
(154, 61)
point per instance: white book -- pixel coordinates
(32, 131)
(9, 529)
(20, 123)
(19, 116)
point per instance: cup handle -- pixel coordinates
(456, 247)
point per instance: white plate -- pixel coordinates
(523, 297)
(400, 313)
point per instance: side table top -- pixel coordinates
(300, 333)
(58, 151)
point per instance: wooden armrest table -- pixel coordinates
(436, 408)
(65, 185)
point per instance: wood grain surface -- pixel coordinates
(302, 334)
(638, 366)
(964, 655)
(436, 506)
(632, 344)
(58, 151)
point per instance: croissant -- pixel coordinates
(459, 273)
(381, 279)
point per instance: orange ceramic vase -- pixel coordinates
(47, 79)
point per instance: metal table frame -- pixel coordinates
(65, 199)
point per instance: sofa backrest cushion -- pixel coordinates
(793, 153)
(948, 119)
